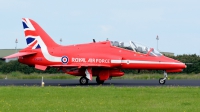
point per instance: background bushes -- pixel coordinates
(13, 66)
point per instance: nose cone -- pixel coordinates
(174, 64)
(178, 64)
(182, 65)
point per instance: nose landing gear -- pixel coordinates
(162, 80)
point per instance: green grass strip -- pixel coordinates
(99, 99)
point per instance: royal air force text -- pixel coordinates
(90, 60)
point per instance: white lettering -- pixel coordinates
(78, 60)
(90, 60)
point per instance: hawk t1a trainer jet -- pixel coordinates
(103, 59)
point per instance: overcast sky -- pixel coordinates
(176, 22)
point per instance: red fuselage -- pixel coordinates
(102, 54)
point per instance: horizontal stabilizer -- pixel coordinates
(19, 54)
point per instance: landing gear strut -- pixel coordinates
(162, 80)
(83, 80)
(99, 81)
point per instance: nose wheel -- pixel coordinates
(163, 80)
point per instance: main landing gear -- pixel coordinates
(83, 80)
(162, 80)
(99, 81)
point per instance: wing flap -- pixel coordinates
(19, 54)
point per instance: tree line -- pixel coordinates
(192, 61)
(12, 66)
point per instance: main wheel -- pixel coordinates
(83, 81)
(99, 81)
(161, 81)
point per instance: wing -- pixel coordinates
(41, 67)
(82, 65)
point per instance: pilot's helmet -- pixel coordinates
(121, 44)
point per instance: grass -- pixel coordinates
(18, 75)
(99, 99)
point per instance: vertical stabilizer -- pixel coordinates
(36, 37)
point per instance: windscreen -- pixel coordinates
(133, 46)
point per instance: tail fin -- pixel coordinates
(36, 37)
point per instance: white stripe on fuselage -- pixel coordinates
(45, 51)
(141, 62)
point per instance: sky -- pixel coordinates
(176, 22)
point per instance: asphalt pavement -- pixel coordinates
(119, 82)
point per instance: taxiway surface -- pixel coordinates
(114, 82)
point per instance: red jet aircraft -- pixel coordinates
(101, 59)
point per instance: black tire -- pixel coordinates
(83, 81)
(99, 81)
(161, 81)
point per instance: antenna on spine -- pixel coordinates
(94, 40)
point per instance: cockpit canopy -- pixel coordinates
(136, 47)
